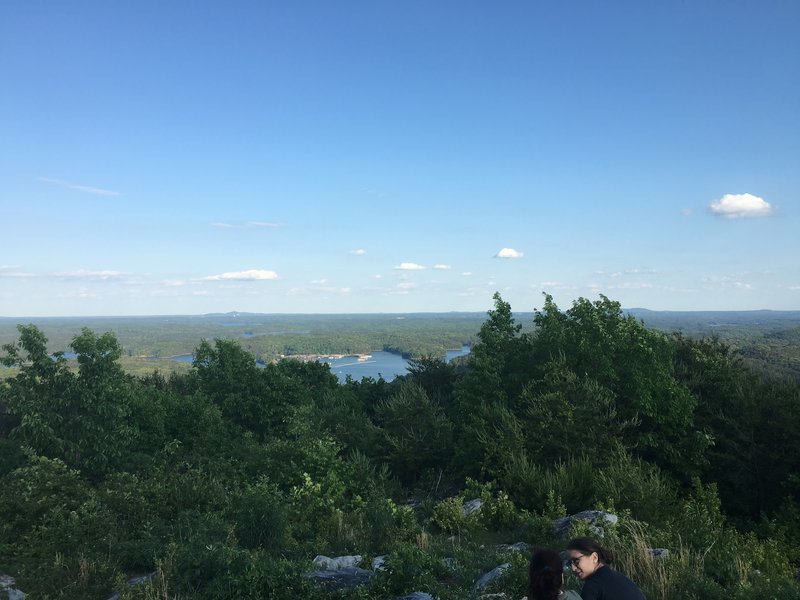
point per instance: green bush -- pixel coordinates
(409, 568)
(261, 517)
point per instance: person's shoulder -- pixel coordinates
(570, 595)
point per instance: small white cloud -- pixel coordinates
(686, 212)
(508, 253)
(250, 275)
(81, 188)
(13, 271)
(728, 281)
(642, 271)
(409, 266)
(631, 285)
(377, 276)
(91, 275)
(442, 267)
(467, 273)
(358, 252)
(406, 285)
(319, 281)
(740, 206)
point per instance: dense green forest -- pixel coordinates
(768, 341)
(227, 480)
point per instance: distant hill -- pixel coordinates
(768, 340)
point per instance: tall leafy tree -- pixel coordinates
(81, 419)
(597, 341)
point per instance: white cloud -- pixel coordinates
(81, 188)
(637, 271)
(740, 206)
(630, 285)
(467, 273)
(92, 275)
(358, 252)
(727, 281)
(409, 266)
(250, 275)
(406, 285)
(442, 267)
(508, 253)
(322, 281)
(686, 212)
(13, 271)
(246, 225)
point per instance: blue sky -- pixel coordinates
(189, 157)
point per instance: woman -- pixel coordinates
(589, 561)
(546, 577)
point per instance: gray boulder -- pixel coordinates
(7, 585)
(416, 596)
(597, 520)
(518, 547)
(339, 579)
(489, 577)
(337, 562)
(471, 506)
(659, 552)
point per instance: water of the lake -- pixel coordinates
(380, 364)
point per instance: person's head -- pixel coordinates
(545, 575)
(586, 556)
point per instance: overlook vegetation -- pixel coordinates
(226, 480)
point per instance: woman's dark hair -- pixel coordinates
(587, 545)
(545, 575)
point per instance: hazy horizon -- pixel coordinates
(367, 314)
(370, 158)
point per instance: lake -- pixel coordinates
(380, 364)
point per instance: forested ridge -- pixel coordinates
(226, 481)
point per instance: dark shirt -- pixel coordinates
(607, 584)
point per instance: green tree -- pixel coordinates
(417, 433)
(261, 400)
(81, 419)
(595, 340)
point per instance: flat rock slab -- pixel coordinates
(339, 579)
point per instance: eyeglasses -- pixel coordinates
(576, 560)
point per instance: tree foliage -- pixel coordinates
(228, 479)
